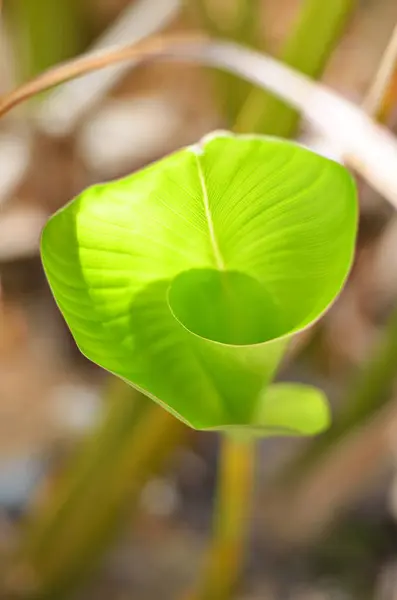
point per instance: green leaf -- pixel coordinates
(188, 278)
(294, 409)
(288, 409)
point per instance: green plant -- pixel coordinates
(188, 278)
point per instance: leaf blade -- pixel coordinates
(115, 257)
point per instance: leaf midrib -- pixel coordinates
(220, 263)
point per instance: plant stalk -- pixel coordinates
(45, 32)
(238, 21)
(307, 49)
(72, 529)
(225, 556)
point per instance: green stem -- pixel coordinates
(369, 393)
(239, 22)
(222, 567)
(65, 540)
(45, 32)
(307, 49)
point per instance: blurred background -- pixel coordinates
(102, 493)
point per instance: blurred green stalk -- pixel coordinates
(225, 555)
(308, 47)
(65, 540)
(45, 32)
(236, 20)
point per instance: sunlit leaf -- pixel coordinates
(294, 408)
(287, 409)
(188, 278)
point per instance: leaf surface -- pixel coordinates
(294, 408)
(188, 277)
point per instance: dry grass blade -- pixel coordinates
(374, 100)
(366, 146)
(155, 47)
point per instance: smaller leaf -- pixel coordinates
(286, 409)
(294, 408)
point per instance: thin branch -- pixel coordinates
(155, 47)
(365, 146)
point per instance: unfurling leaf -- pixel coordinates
(188, 278)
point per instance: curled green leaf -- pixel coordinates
(188, 278)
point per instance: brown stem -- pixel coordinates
(154, 47)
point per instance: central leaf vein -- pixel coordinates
(214, 242)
